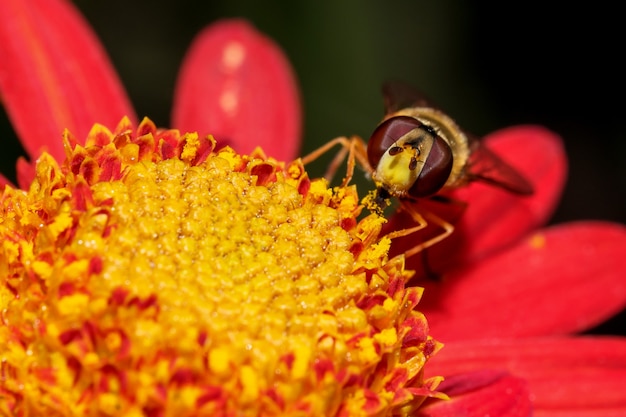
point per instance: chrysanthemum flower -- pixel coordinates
(149, 274)
(146, 271)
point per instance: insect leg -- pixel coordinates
(422, 219)
(352, 148)
(447, 201)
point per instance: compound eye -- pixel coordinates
(436, 170)
(386, 134)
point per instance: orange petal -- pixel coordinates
(582, 376)
(236, 84)
(494, 218)
(54, 74)
(563, 279)
(481, 393)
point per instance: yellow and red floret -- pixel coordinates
(152, 274)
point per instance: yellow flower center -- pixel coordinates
(152, 275)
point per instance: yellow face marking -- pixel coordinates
(393, 171)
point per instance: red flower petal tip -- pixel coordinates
(236, 84)
(54, 74)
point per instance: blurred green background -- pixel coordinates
(489, 66)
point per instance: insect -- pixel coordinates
(418, 152)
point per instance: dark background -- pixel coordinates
(489, 66)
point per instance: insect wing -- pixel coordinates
(486, 166)
(399, 95)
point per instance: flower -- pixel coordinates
(491, 365)
(152, 273)
(149, 275)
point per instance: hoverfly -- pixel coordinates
(418, 152)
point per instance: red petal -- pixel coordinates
(54, 74)
(483, 393)
(25, 172)
(4, 181)
(581, 376)
(495, 218)
(564, 279)
(236, 84)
